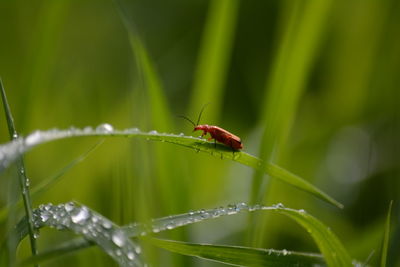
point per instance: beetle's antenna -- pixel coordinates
(186, 118)
(201, 112)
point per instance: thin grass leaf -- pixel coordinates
(241, 256)
(214, 57)
(13, 149)
(171, 186)
(49, 182)
(301, 36)
(385, 243)
(330, 246)
(23, 180)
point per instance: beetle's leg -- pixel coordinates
(215, 143)
(233, 150)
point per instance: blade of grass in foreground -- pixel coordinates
(385, 243)
(241, 256)
(90, 225)
(23, 180)
(12, 150)
(334, 254)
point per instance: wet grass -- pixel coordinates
(310, 87)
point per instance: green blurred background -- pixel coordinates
(310, 85)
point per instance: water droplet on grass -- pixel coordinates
(87, 129)
(69, 206)
(118, 238)
(44, 217)
(105, 128)
(33, 138)
(106, 224)
(36, 234)
(81, 215)
(131, 255)
(279, 206)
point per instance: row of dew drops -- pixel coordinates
(114, 239)
(10, 151)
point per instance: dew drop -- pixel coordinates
(302, 211)
(118, 252)
(170, 225)
(131, 255)
(232, 209)
(254, 207)
(106, 224)
(279, 206)
(69, 206)
(36, 234)
(138, 249)
(44, 217)
(242, 206)
(118, 238)
(80, 216)
(105, 128)
(33, 138)
(285, 252)
(87, 129)
(153, 132)
(27, 182)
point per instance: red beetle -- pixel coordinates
(217, 133)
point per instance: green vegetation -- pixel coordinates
(311, 87)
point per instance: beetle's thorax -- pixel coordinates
(203, 127)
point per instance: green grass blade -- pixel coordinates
(160, 112)
(23, 180)
(172, 187)
(301, 35)
(92, 226)
(50, 181)
(214, 58)
(330, 246)
(161, 115)
(386, 235)
(241, 256)
(16, 148)
(7, 110)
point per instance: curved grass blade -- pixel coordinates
(241, 256)
(10, 151)
(50, 181)
(385, 242)
(330, 246)
(92, 226)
